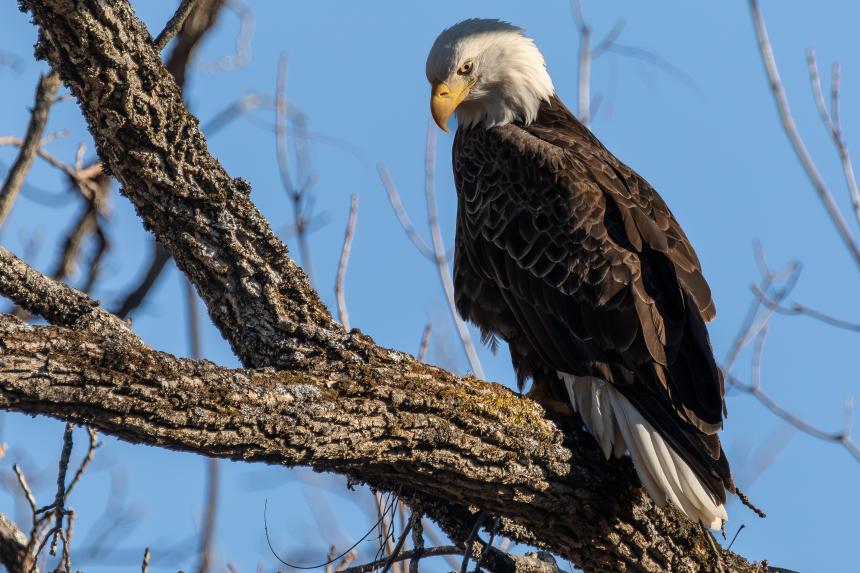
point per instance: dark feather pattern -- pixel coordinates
(576, 261)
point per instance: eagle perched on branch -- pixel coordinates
(577, 263)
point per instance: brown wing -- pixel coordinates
(575, 260)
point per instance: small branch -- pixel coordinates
(425, 342)
(242, 52)
(85, 463)
(403, 556)
(345, 251)
(59, 505)
(138, 294)
(754, 329)
(45, 92)
(439, 253)
(842, 437)
(397, 549)
(793, 135)
(207, 534)
(173, 25)
(417, 541)
(298, 190)
(83, 179)
(795, 309)
(583, 73)
(831, 123)
(402, 216)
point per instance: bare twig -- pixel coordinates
(144, 566)
(83, 179)
(795, 309)
(470, 541)
(405, 555)
(297, 191)
(243, 105)
(25, 487)
(85, 463)
(66, 560)
(384, 522)
(425, 341)
(402, 216)
(59, 505)
(397, 549)
(207, 533)
(584, 67)
(45, 91)
(348, 235)
(831, 123)
(439, 252)
(417, 541)
(842, 437)
(793, 135)
(173, 25)
(138, 294)
(242, 52)
(754, 328)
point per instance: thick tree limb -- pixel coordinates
(203, 17)
(13, 547)
(339, 403)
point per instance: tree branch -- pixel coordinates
(339, 403)
(45, 92)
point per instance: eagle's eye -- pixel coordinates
(466, 68)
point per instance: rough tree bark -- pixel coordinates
(317, 395)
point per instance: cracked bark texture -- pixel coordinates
(317, 395)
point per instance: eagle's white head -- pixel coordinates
(489, 72)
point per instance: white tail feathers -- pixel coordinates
(619, 427)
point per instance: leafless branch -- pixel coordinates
(841, 437)
(297, 190)
(831, 123)
(138, 294)
(197, 24)
(25, 487)
(439, 252)
(417, 541)
(425, 342)
(754, 328)
(59, 506)
(173, 25)
(788, 124)
(402, 216)
(207, 533)
(583, 73)
(242, 53)
(85, 463)
(348, 235)
(404, 556)
(45, 91)
(83, 179)
(795, 308)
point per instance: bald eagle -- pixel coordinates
(575, 261)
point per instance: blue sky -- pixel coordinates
(706, 136)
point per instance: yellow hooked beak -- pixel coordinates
(444, 100)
